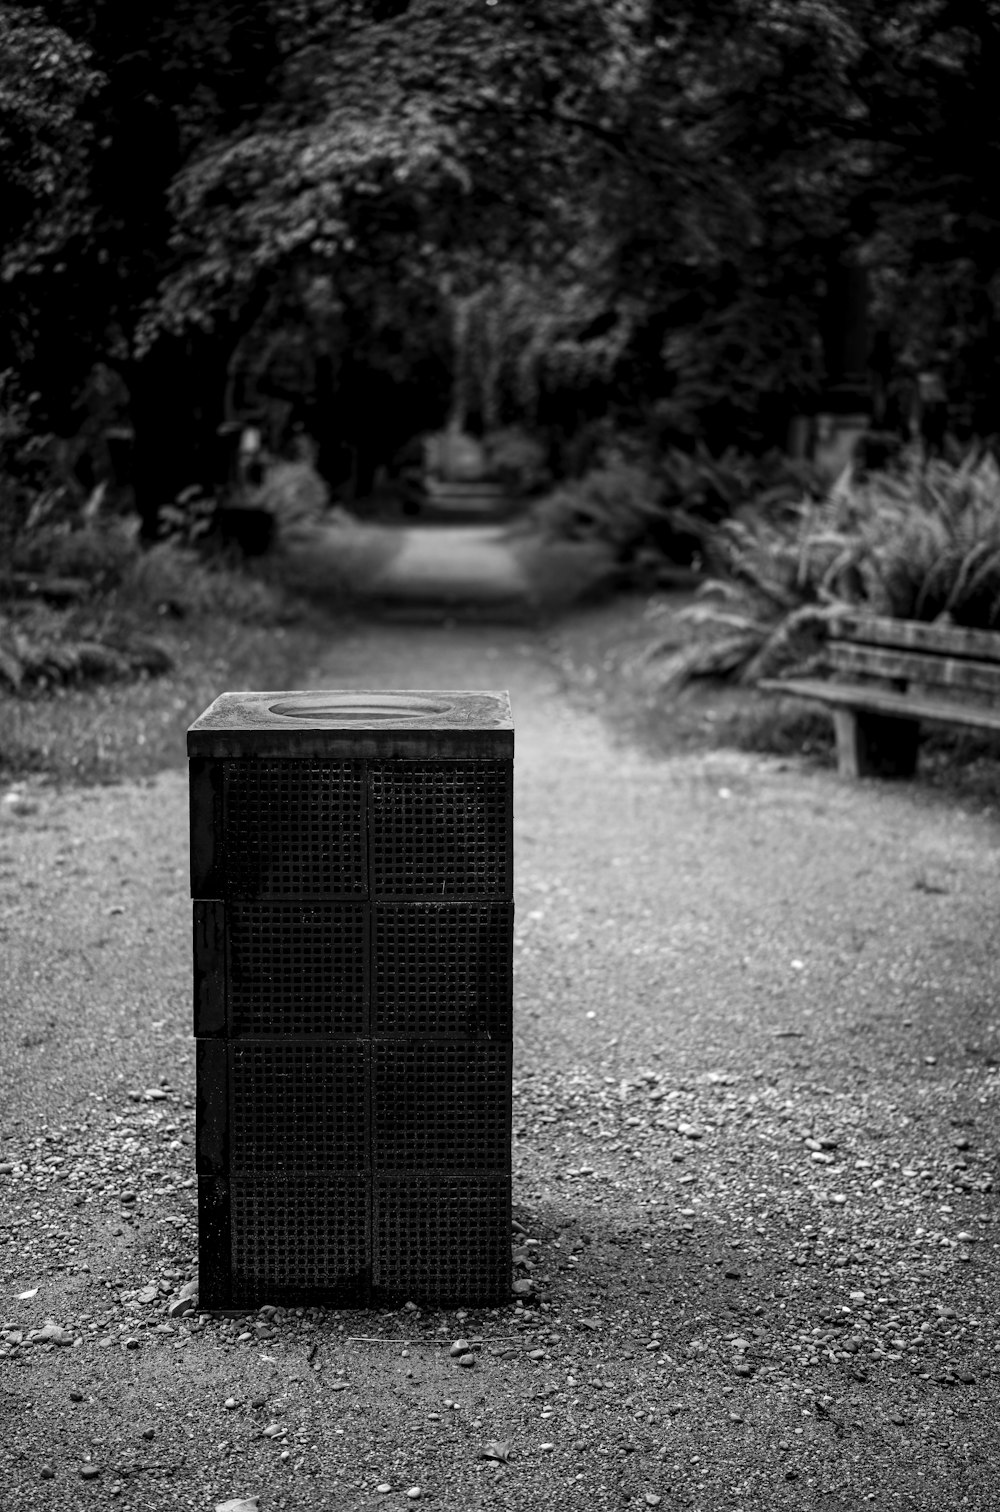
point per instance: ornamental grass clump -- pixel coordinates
(921, 544)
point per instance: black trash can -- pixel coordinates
(351, 866)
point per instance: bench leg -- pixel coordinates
(875, 745)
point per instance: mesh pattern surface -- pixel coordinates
(363, 1152)
(294, 828)
(298, 1106)
(439, 829)
(443, 1239)
(440, 1105)
(299, 1238)
(442, 968)
(296, 968)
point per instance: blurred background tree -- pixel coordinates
(644, 209)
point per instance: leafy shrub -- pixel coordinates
(616, 502)
(40, 647)
(177, 581)
(668, 509)
(29, 487)
(107, 635)
(923, 544)
(518, 461)
(100, 552)
(293, 493)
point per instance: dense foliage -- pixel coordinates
(359, 215)
(921, 543)
(654, 508)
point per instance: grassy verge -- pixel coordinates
(109, 651)
(106, 732)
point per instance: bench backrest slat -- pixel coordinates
(852, 659)
(914, 635)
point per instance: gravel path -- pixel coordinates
(756, 1139)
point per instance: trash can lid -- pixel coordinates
(356, 722)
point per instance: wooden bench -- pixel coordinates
(888, 677)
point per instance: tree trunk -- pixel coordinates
(177, 398)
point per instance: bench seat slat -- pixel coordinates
(853, 660)
(874, 700)
(915, 635)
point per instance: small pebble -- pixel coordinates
(76, 1396)
(89, 1472)
(414, 1493)
(131, 1343)
(546, 1448)
(16, 803)
(385, 1486)
(468, 1360)
(460, 1347)
(47, 1473)
(148, 1433)
(230, 1403)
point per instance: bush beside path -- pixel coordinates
(755, 1138)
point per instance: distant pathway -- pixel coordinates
(497, 571)
(452, 563)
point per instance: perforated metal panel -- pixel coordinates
(446, 1238)
(353, 937)
(442, 969)
(293, 828)
(440, 1106)
(297, 968)
(298, 1106)
(300, 1241)
(440, 829)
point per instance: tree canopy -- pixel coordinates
(644, 200)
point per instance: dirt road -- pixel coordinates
(756, 1139)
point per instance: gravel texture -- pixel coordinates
(756, 1087)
